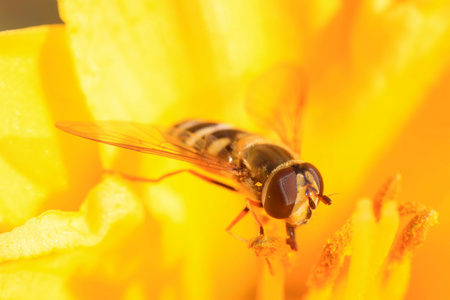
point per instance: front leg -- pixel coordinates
(247, 208)
(290, 240)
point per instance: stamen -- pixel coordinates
(414, 234)
(389, 191)
(337, 247)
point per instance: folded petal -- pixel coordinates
(57, 252)
(38, 87)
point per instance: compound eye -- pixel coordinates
(281, 194)
(315, 176)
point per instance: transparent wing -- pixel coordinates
(143, 138)
(276, 101)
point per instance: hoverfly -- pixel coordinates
(286, 187)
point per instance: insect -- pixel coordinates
(269, 173)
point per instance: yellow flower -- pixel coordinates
(378, 81)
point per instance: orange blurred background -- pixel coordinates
(421, 154)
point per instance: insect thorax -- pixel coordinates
(260, 158)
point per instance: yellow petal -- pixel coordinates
(65, 249)
(363, 224)
(360, 101)
(426, 139)
(57, 230)
(193, 215)
(193, 59)
(395, 52)
(39, 88)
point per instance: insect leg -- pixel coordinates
(269, 265)
(251, 203)
(234, 222)
(211, 180)
(195, 173)
(290, 240)
(242, 214)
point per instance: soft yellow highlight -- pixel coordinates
(363, 241)
(38, 87)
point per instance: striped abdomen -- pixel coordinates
(242, 149)
(216, 139)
